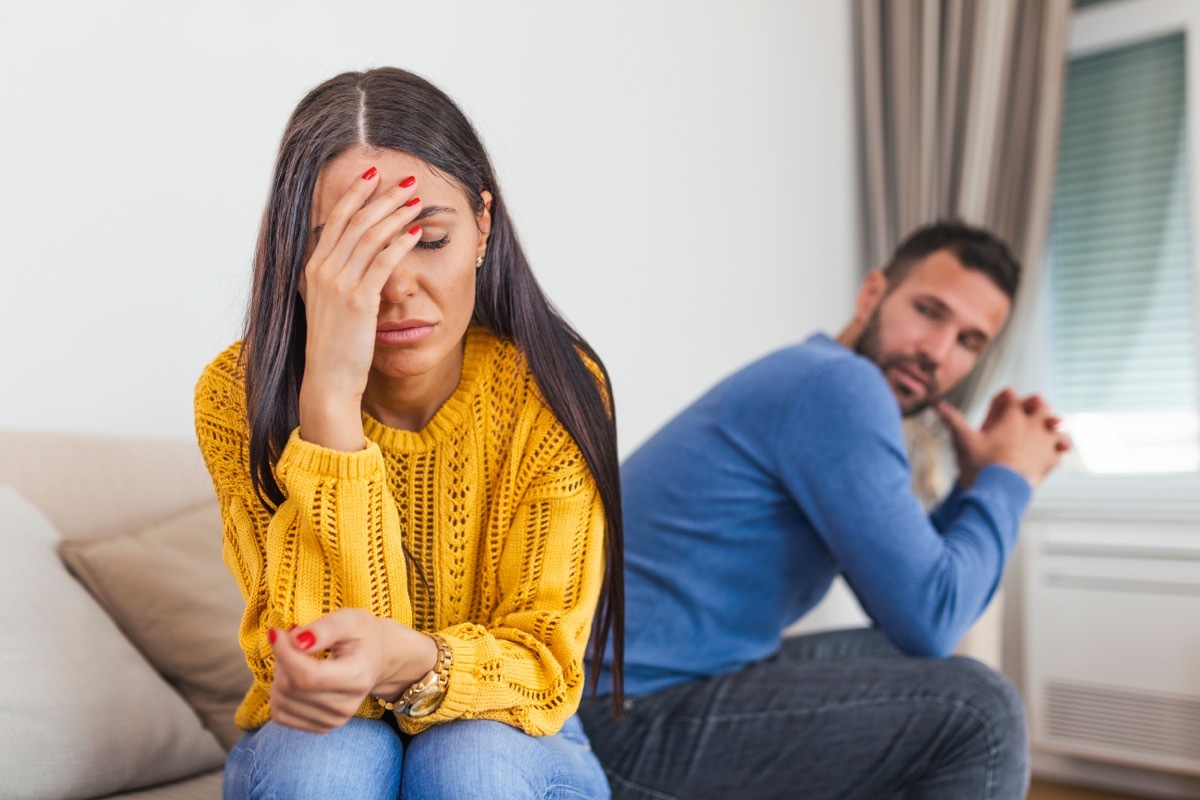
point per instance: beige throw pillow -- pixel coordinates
(81, 712)
(169, 590)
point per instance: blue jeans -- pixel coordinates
(835, 715)
(367, 759)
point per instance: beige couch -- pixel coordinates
(120, 666)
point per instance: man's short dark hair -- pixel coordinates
(975, 248)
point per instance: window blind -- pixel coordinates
(1123, 299)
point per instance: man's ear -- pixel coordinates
(870, 295)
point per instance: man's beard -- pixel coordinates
(870, 347)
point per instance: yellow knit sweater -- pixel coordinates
(494, 503)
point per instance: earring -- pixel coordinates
(479, 262)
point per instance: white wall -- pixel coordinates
(682, 174)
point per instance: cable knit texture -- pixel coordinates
(492, 500)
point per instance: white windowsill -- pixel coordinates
(1162, 496)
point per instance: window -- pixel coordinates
(1123, 358)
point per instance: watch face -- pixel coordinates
(425, 704)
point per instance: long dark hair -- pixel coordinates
(391, 109)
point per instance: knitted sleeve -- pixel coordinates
(292, 566)
(524, 667)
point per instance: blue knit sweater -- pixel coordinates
(741, 511)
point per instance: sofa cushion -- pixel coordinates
(168, 589)
(202, 787)
(82, 714)
(128, 482)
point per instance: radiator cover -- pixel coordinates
(1112, 638)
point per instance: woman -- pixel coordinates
(416, 463)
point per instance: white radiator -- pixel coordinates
(1112, 638)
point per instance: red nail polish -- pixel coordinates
(413, 202)
(414, 230)
(407, 182)
(271, 635)
(305, 639)
(292, 628)
(371, 173)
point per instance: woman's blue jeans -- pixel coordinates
(840, 715)
(367, 759)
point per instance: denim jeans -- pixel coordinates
(367, 759)
(834, 715)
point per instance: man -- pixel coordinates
(741, 511)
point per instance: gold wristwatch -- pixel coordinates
(424, 696)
